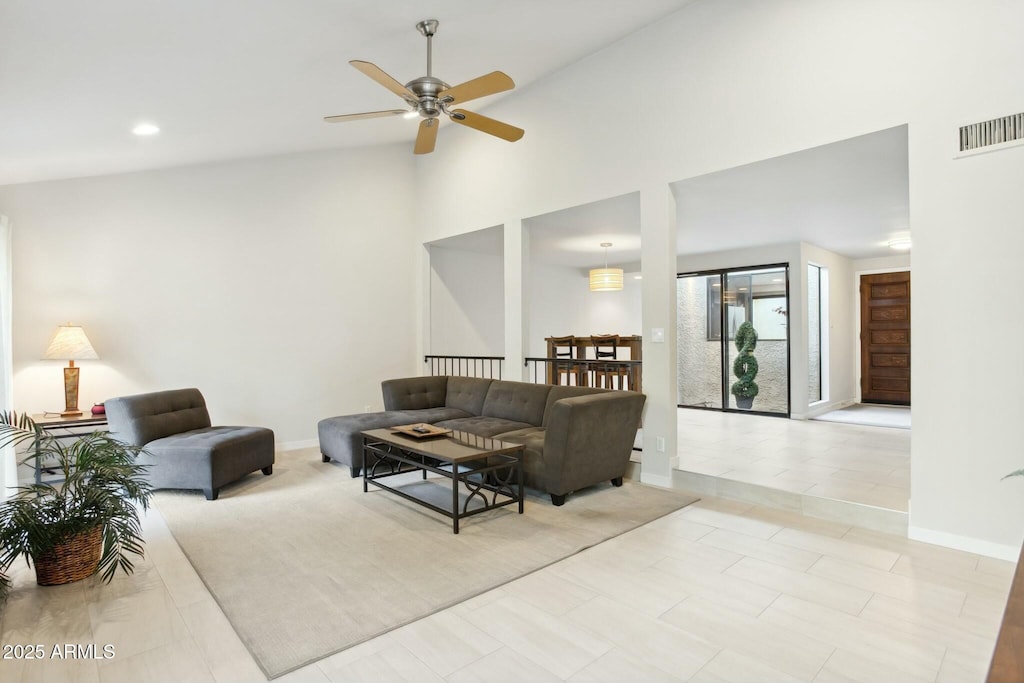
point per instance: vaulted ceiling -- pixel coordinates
(231, 79)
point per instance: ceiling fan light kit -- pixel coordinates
(430, 98)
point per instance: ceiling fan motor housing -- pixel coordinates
(427, 88)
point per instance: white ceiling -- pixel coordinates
(850, 197)
(240, 78)
(573, 237)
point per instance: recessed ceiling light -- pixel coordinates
(901, 244)
(145, 129)
(638, 277)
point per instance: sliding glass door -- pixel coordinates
(747, 367)
(699, 351)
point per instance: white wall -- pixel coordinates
(284, 287)
(467, 303)
(842, 328)
(561, 304)
(882, 263)
(720, 84)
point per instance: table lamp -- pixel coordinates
(70, 343)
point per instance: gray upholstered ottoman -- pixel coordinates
(341, 441)
(182, 449)
(340, 438)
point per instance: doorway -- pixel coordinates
(885, 338)
(713, 307)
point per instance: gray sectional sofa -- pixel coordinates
(574, 436)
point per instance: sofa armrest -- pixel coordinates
(414, 393)
(589, 439)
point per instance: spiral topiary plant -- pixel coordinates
(745, 366)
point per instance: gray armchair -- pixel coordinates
(182, 449)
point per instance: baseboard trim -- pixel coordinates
(655, 480)
(296, 445)
(965, 543)
(822, 408)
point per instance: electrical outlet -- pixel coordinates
(660, 444)
(367, 408)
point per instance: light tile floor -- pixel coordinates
(717, 591)
(854, 463)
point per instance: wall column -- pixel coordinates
(517, 297)
(658, 264)
(8, 459)
(423, 313)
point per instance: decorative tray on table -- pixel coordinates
(421, 430)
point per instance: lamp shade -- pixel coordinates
(70, 343)
(605, 279)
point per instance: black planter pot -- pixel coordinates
(744, 402)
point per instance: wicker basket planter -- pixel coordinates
(73, 560)
(86, 522)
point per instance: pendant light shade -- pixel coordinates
(606, 279)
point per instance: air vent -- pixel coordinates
(992, 132)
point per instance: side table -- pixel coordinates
(63, 428)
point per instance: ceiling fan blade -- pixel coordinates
(364, 115)
(427, 136)
(489, 84)
(378, 74)
(487, 125)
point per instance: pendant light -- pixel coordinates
(606, 279)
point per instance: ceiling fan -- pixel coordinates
(430, 97)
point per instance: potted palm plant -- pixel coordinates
(88, 521)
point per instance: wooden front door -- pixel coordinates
(885, 338)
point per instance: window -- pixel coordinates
(814, 325)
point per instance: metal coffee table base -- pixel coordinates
(493, 481)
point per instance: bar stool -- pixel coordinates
(606, 347)
(565, 347)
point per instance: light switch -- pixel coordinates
(658, 334)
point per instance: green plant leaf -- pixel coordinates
(103, 485)
(1018, 473)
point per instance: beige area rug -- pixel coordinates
(304, 564)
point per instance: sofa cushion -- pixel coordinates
(516, 401)
(467, 393)
(432, 415)
(559, 392)
(483, 425)
(218, 455)
(142, 418)
(340, 438)
(414, 393)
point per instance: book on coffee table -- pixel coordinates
(421, 430)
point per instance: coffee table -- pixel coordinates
(474, 464)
